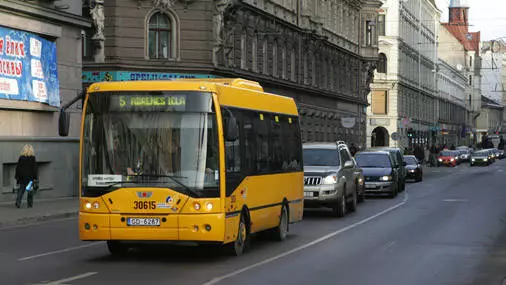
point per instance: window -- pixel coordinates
(379, 102)
(381, 25)
(292, 66)
(87, 45)
(232, 148)
(382, 63)
(160, 36)
(275, 59)
(368, 33)
(244, 51)
(254, 53)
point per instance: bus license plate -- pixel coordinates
(143, 221)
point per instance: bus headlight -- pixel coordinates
(196, 206)
(209, 206)
(331, 179)
(96, 205)
(88, 205)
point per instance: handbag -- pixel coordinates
(35, 185)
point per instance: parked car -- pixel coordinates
(398, 163)
(331, 178)
(380, 174)
(414, 167)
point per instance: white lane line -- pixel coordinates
(73, 278)
(61, 251)
(456, 200)
(304, 246)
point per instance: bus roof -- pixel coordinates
(252, 95)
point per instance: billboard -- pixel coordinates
(28, 68)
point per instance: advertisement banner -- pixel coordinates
(98, 76)
(28, 68)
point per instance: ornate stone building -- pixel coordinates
(320, 52)
(40, 70)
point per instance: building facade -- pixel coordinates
(402, 110)
(491, 117)
(493, 76)
(458, 26)
(40, 69)
(454, 90)
(321, 53)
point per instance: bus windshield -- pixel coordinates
(153, 139)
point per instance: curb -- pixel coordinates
(39, 218)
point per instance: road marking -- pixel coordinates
(61, 251)
(304, 246)
(456, 200)
(73, 278)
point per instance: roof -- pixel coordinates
(458, 4)
(470, 40)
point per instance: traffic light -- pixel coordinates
(411, 133)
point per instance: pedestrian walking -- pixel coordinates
(26, 172)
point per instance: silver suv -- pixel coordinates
(331, 178)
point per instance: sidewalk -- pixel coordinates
(43, 210)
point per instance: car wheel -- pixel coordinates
(361, 196)
(340, 207)
(354, 202)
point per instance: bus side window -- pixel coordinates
(292, 143)
(277, 154)
(232, 148)
(261, 129)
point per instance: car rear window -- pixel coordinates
(373, 160)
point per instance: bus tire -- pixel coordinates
(116, 248)
(239, 246)
(280, 232)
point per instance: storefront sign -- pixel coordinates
(99, 76)
(28, 68)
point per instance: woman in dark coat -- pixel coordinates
(26, 171)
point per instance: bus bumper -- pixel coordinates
(181, 227)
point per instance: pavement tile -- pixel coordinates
(43, 210)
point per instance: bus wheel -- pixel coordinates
(280, 232)
(116, 248)
(239, 245)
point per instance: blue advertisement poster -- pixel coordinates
(98, 76)
(28, 68)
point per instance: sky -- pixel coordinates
(487, 16)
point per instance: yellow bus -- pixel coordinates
(204, 161)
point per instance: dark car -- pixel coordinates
(414, 168)
(398, 163)
(481, 157)
(381, 177)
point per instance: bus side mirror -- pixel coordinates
(232, 131)
(64, 123)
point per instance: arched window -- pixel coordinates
(382, 63)
(162, 35)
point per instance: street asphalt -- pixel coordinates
(448, 229)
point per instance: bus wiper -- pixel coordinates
(175, 179)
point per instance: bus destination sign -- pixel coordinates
(164, 102)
